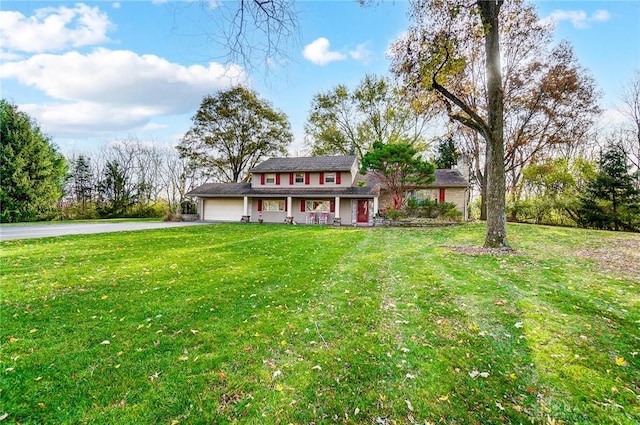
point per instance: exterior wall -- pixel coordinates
(346, 180)
(451, 194)
(346, 211)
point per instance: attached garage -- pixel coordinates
(223, 209)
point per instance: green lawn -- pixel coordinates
(293, 324)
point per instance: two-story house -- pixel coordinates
(320, 189)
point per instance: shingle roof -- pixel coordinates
(449, 178)
(312, 163)
(220, 190)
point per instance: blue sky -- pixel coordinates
(95, 71)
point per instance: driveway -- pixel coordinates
(45, 230)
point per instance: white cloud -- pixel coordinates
(54, 29)
(116, 5)
(108, 90)
(318, 52)
(361, 53)
(578, 18)
(613, 117)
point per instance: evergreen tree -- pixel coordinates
(611, 200)
(32, 171)
(399, 168)
(82, 176)
(447, 153)
(114, 191)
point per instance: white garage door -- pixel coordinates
(223, 209)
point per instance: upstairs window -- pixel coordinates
(270, 178)
(330, 177)
(299, 178)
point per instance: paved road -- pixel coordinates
(45, 230)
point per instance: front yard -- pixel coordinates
(308, 324)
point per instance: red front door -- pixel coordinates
(363, 211)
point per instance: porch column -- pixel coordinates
(375, 206)
(246, 206)
(337, 207)
(289, 207)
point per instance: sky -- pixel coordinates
(91, 72)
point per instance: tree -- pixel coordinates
(251, 31)
(610, 200)
(32, 170)
(631, 109)
(431, 56)
(114, 191)
(548, 102)
(233, 131)
(82, 181)
(344, 122)
(447, 153)
(399, 168)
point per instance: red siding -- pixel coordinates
(291, 179)
(321, 177)
(302, 205)
(307, 178)
(338, 177)
(277, 179)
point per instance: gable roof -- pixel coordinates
(233, 190)
(449, 178)
(302, 164)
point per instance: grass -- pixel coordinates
(93, 220)
(294, 324)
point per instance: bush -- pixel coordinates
(396, 214)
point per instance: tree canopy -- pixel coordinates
(611, 201)
(32, 170)
(344, 121)
(233, 131)
(398, 167)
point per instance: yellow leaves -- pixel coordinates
(620, 361)
(279, 387)
(443, 398)
(104, 297)
(12, 339)
(32, 331)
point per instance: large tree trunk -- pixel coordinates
(496, 236)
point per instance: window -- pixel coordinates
(330, 178)
(271, 178)
(272, 205)
(318, 206)
(299, 178)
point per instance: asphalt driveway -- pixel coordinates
(45, 230)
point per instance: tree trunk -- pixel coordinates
(496, 236)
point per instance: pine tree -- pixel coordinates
(611, 200)
(31, 169)
(82, 176)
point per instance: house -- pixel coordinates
(321, 189)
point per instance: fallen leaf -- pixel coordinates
(519, 325)
(409, 405)
(620, 361)
(277, 373)
(34, 330)
(443, 398)
(279, 387)
(104, 297)
(317, 367)
(105, 342)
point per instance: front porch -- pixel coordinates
(316, 210)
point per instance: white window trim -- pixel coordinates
(295, 178)
(321, 203)
(330, 177)
(273, 205)
(270, 178)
